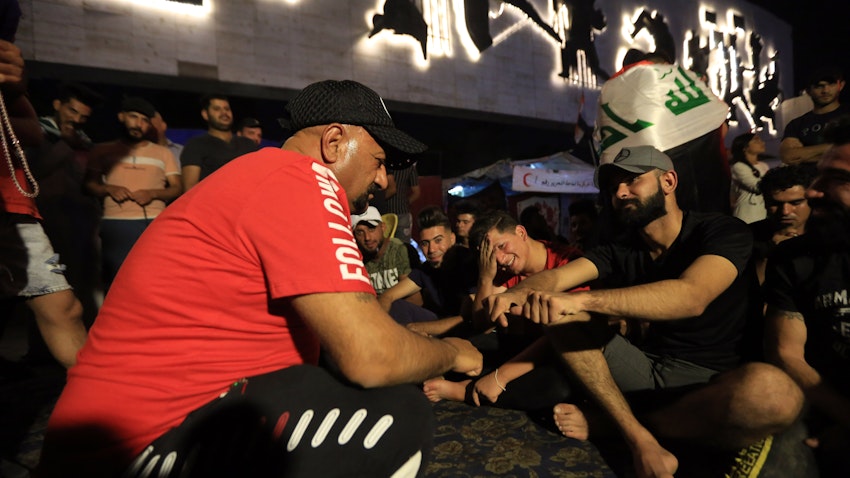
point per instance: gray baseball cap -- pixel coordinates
(634, 159)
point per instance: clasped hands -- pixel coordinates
(540, 307)
(142, 197)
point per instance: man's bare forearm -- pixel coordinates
(664, 300)
(785, 340)
(803, 154)
(436, 327)
(371, 349)
(169, 193)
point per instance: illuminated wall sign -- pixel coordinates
(439, 20)
(525, 58)
(573, 27)
(579, 21)
(725, 52)
(715, 51)
(403, 18)
(652, 23)
(191, 7)
(731, 58)
(478, 18)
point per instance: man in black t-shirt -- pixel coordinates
(687, 275)
(204, 154)
(449, 274)
(808, 315)
(784, 192)
(803, 141)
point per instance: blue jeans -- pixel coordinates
(117, 237)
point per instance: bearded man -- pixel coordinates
(688, 275)
(135, 178)
(204, 358)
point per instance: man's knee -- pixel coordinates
(769, 393)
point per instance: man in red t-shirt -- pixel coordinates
(204, 353)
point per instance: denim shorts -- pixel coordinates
(29, 267)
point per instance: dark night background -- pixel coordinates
(821, 34)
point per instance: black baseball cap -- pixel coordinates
(828, 74)
(248, 123)
(139, 105)
(349, 102)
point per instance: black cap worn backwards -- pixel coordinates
(139, 105)
(349, 102)
(248, 123)
(828, 74)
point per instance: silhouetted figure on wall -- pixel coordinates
(478, 23)
(526, 7)
(698, 55)
(478, 20)
(658, 30)
(403, 18)
(583, 20)
(763, 93)
(738, 71)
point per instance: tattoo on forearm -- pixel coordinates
(365, 297)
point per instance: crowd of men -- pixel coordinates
(111, 191)
(261, 320)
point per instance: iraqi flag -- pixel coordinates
(656, 104)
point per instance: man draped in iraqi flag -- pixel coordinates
(668, 107)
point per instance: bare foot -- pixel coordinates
(571, 421)
(651, 460)
(437, 389)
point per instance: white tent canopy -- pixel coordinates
(558, 173)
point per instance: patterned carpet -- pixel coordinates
(469, 442)
(473, 442)
(486, 441)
